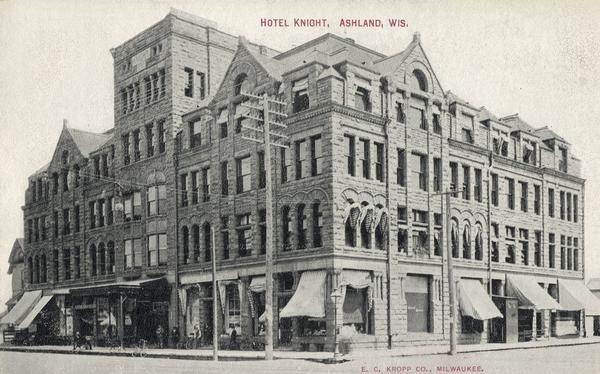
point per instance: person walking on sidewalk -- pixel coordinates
(160, 336)
(197, 337)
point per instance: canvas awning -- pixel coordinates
(206, 276)
(309, 298)
(529, 293)
(35, 311)
(475, 302)
(115, 287)
(258, 284)
(23, 306)
(574, 295)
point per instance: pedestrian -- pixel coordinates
(197, 337)
(174, 337)
(233, 338)
(160, 333)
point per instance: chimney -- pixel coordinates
(262, 50)
(65, 123)
(417, 37)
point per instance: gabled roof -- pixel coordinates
(273, 67)
(389, 64)
(545, 134)
(86, 141)
(518, 124)
(17, 249)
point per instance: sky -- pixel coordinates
(540, 59)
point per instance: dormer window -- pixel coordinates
(362, 100)
(300, 95)
(467, 136)
(562, 163)
(240, 85)
(529, 153)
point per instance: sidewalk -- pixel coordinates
(206, 354)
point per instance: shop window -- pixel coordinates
(233, 306)
(470, 325)
(312, 326)
(356, 311)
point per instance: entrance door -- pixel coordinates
(417, 303)
(207, 332)
(498, 325)
(525, 325)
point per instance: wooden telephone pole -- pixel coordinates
(261, 109)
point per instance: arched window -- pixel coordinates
(30, 269)
(36, 262)
(352, 217)
(419, 80)
(44, 269)
(110, 268)
(76, 175)
(381, 228)
(102, 258)
(286, 221)
(93, 260)
(454, 239)
(207, 241)
(185, 235)
(301, 226)
(241, 84)
(479, 244)
(366, 226)
(466, 237)
(317, 217)
(196, 242)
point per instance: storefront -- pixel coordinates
(532, 298)
(579, 304)
(476, 307)
(121, 311)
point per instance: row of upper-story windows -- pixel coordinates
(145, 92)
(195, 83)
(360, 158)
(155, 140)
(568, 205)
(195, 186)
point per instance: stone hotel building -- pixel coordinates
(120, 226)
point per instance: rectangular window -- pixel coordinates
(494, 191)
(93, 214)
(437, 174)
(195, 185)
(536, 199)
(551, 202)
(301, 158)
(466, 193)
(262, 172)
(244, 233)
(478, 186)
(43, 225)
(575, 253)
(400, 115)
(562, 204)
(223, 122)
(524, 193)
(510, 254)
(562, 252)
(202, 84)
(316, 156)
(224, 179)
(157, 198)
(157, 249)
(362, 100)
(401, 169)
(417, 116)
(205, 184)
(36, 226)
(195, 130)
(454, 177)
(262, 230)
(126, 150)
(419, 166)
(66, 222)
(551, 251)
(286, 164)
(379, 160)
(510, 197)
(467, 135)
(569, 253)
(350, 149)
(104, 165)
(562, 163)
(184, 190)
(77, 213)
(161, 137)
(67, 263)
(188, 88)
(77, 262)
(300, 95)
(225, 236)
(136, 145)
(243, 173)
(317, 217)
(569, 206)
(575, 208)
(437, 126)
(101, 212)
(537, 249)
(364, 157)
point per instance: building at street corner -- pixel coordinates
(119, 226)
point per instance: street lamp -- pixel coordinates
(335, 295)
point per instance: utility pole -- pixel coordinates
(451, 290)
(214, 296)
(255, 113)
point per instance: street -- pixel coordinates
(568, 359)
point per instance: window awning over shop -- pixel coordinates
(23, 306)
(309, 298)
(529, 293)
(475, 302)
(115, 287)
(35, 311)
(258, 284)
(574, 295)
(201, 277)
